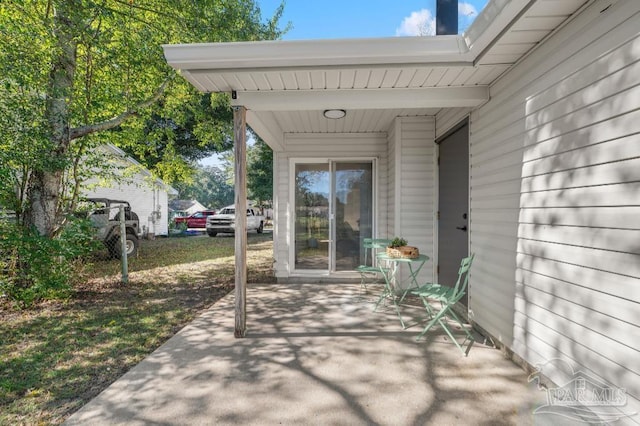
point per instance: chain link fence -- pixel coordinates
(117, 227)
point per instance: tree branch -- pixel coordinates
(145, 9)
(79, 132)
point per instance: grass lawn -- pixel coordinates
(56, 356)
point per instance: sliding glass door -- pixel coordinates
(353, 207)
(333, 214)
(312, 231)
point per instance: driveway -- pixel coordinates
(314, 354)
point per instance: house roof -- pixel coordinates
(286, 85)
(181, 205)
(159, 182)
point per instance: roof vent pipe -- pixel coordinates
(446, 17)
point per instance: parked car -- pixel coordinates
(224, 222)
(105, 217)
(196, 220)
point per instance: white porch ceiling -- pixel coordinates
(356, 121)
(346, 78)
(286, 85)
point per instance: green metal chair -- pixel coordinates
(448, 297)
(369, 271)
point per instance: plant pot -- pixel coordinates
(406, 252)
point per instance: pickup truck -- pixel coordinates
(224, 221)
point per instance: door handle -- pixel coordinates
(462, 228)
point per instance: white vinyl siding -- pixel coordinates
(393, 183)
(413, 189)
(323, 147)
(282, 212)
(142, 199)
(147, 196)
(448, 118)
(555, 201)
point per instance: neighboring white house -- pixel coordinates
(147, 195)
(184, 207)
(518, 141)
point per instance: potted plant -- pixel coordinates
(398, 242)
(399, 248)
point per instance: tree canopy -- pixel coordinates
(259, 170)
(209, 185)
(77, 73)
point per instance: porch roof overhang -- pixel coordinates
(285, 85)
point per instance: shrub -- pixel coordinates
(177, 228)
(34, 268)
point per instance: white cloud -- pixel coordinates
(421, 23)
(467, 9)
(467, 13)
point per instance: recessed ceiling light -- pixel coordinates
(334, 114)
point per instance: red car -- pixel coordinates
(196, 220)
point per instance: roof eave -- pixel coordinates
(463, 49)
(281, 54)
(496, 17)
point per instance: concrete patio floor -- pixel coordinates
(315, 354)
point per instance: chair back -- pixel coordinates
(367, 245)
(463, 278)
(371, 245)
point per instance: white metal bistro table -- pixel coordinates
(391, 282)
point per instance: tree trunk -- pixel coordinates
(42, 210)
(45, 185)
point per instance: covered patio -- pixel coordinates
(315, 354)
(534, 111)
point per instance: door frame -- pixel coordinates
(332, 228)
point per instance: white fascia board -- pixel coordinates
(496, 17)
(289, 54)
(313, 100)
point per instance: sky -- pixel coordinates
(323, 19)
(331, 19)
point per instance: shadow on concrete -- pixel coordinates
(319, 354)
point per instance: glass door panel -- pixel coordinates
(353, 206)
(312, 236)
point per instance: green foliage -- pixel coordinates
(177, 229)
(78, 238)
(398, 242)
(34, 268)
(21, 140)
(77, 74)
(185, 125)
(196, 128)
(213, 186)
(55, 359)
(117, 65)
(260, 172)
(209, 186)
(259, 168)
